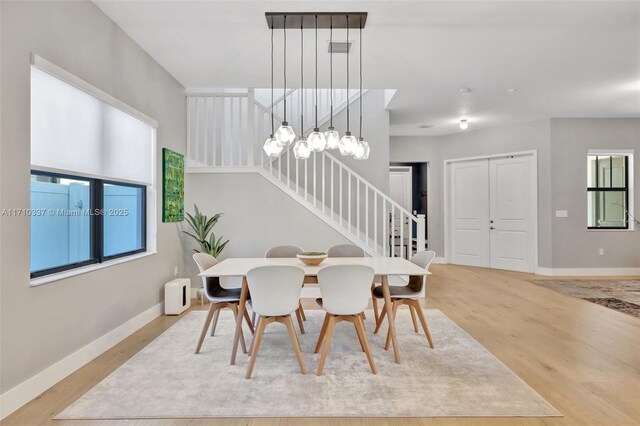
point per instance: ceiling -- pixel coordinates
(564, 58)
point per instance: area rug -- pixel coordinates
(619, 295)
(167, 380)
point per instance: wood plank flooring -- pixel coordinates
(582, 358)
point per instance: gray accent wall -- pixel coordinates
(574, 245)
(42, 325)
(561, 146)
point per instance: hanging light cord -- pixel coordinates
(301, 81)
(360, 93)
(316, 110)
(348, 129)
(284, 31)
(331, 68)
(272, 125)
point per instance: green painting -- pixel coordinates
(172, 186)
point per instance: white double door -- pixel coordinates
(492, 213)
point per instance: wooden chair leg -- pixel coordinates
(423, 320)
(396, 304)
(262, 323)
(413, 317)
(367, 348)
(304, 317)
(374, 302)
(322, 333)
(253, 320)
(234, 308)
(364, 316)
(213, 308)
(253, 341)
(295, 343)
(327, 342)
(356, 319)
(215, 322)
(300, 324)
(248, 320)
(380, 319)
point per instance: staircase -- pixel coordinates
(226, 131)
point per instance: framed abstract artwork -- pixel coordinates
(172, 186)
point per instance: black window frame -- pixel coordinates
(96, 222)
(612, 188)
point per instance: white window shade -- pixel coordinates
(75, 131)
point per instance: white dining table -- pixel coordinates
(382, 266)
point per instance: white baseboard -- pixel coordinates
(441, 260)
(16, 397)
(567, 272)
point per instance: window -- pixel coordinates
(78, 221)
(608, 191)
(92, 180)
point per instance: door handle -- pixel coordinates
(492, 228)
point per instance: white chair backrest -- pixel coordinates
(345, 289)
(283, 251)
(204, 262)
(345, 250)
(275, 290)
(423, 259)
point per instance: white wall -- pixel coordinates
(562, 146)
(256, 215)
(41, 325)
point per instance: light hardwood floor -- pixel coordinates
(582, 358)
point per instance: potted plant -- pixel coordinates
(202, 227)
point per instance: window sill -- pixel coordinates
(611, 230)
(89, 268)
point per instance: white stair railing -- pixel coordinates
(227, 130)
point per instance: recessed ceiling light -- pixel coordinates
(512, 90)
(465, 91)
(464, 124)
(426, 126)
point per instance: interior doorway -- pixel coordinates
(408, 186)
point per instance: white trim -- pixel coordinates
(21, 394)
(534, 209)
(89, 268)
(51, 68)
(439, 260)
(580, 272)
(39, 168)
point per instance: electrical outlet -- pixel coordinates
(175, 271)
(562, 213)
(601, 252)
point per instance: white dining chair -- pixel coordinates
(409, 295)
(345, 295)
(348, 250)
(287, 251)
(219, 297)
(275, 295)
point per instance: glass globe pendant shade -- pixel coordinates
(271, 147)
(333, 138)
(347, 144)
(301, 149)
(285, 134)
(316, 141)
(361, 151)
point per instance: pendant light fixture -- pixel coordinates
(362, 149)
(271, 147)
(301, 148)
(285, 134)
(348, 142)
(316, 140)
(331, 135)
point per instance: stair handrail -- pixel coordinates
(371, 186)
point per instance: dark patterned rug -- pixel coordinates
(620, 295)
